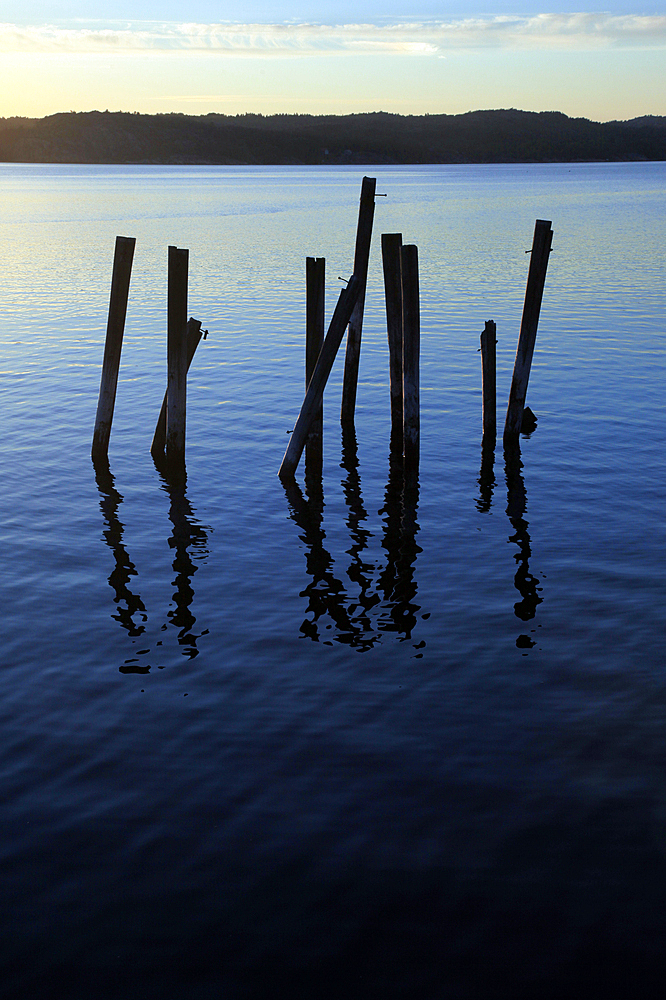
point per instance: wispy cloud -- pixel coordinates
(542, 31)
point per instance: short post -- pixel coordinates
(489, 380)
(536, 279)
(411, 345)
(115, 328)
(176, 354)
(315, 390)
(366, 213)
(194, 333)
(391, 262)
(315, 285)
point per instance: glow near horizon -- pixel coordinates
(598, 66)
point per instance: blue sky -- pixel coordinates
(599, 62)
(330, 11)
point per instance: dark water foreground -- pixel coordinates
(337, 739)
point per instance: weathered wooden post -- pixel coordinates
(315, 390)
(315, 286)
(115, 327)
(176, 355)
(194, 333)
(489, 380)
(366, 213)
(391, 262)
(536, 279)
(411, 344)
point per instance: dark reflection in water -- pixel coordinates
(486, 478)
(397, 581)
(325, 593)
(187, 535)
(359, 621)
(359, 572)
(128, 603)
(526, 584)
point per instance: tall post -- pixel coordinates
(315, 285)
(366, 214)
(411, 345)
(489, 380)
(315, 390)
(176, 355)
(115, 328)
(194, 333)
(536, 279)
(391, 262)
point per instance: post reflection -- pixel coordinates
(188, 538)
(129, 604)
(526, 584)
(398, 581)
(359, 571)
(486, 478)
(325, 593)
(360, 617)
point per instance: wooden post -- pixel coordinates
(410, 359)
(366, 213)
(391, 261)
(176, 354)
(194, 333)
(489, 380)
(315, 390)
(536, 279)
(115, 327)
(315, 285)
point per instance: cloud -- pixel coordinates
(426, 38)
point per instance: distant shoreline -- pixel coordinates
(504, 136)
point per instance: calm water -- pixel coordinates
(318, 743)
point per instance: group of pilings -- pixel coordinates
(518, 416)
(401, 281)
(183, 336)
(401, 288)
(401, 285)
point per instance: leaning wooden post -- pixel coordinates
(536, 279)
(176, 354)
(115, 327)
(391, 261)
(315, 285)
(411, 344)
(489, 380)
(315, 390)
(194, 333)
(366, 213)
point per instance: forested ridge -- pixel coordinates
(508, 136)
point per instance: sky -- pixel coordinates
(603, 62)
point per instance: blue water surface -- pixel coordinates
(331, 740)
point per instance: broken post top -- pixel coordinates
(364, 229)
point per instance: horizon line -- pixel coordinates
(307, 114)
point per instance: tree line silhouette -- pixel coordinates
(507, 136)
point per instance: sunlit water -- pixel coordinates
(259, 742)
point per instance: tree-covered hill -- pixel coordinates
(476, 137)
